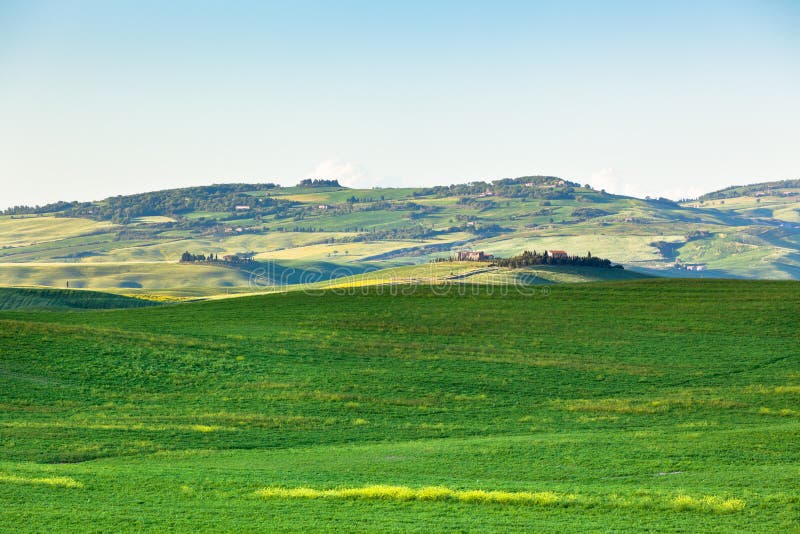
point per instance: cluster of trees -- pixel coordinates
(526, 187)
(481, 204)
(241, 257)
(175, 202)
(382, 205)
(171, 203)
(589, 213)
(355, 200)
(528, 258)
(697, 234)
(188, 257)
(33, 210)
(316, 182)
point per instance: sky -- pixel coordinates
(671, 98)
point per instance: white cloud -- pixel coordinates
(612, 182)
(349, 174)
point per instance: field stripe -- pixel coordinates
(709, 503)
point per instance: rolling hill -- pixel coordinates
(19, 298)
(659, 405)
(319, 230)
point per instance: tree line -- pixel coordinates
(171, 203)
(316, 182)
(526, 187)
(528, 258)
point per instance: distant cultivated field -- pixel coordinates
(171, 251)
(661, 405)
(17, 232)
(108, 275)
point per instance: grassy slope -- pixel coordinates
(156, 275)
(625, 395)
(214, 279)
(36, 298)
(479, 273)
(30, 230)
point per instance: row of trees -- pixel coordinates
(170, 203)
(526, 187)
(529, 258)
(188, 257)
(316, 182)
(240, 257)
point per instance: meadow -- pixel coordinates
(14, 298)
(654, 404)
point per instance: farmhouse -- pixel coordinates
(557, 254)
(469, 255)
(242, 208)
(691, 266)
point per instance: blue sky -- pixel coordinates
(661, 98)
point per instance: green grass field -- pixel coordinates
(12, 298)
(665, 405)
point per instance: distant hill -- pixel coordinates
(751, 189)
(319, 230)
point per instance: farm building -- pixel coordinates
(691, 266)
(469, 255)
(557, 254)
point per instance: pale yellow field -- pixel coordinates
(351, 251)
(308, 198)
(30, 230)
(791, 213)
(424, 273)
(153, 219)
(172, 250)
(338, 251)
(120, 275)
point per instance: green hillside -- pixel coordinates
(40, 298)
(468, 273)
(741, 232)
(663, 405)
